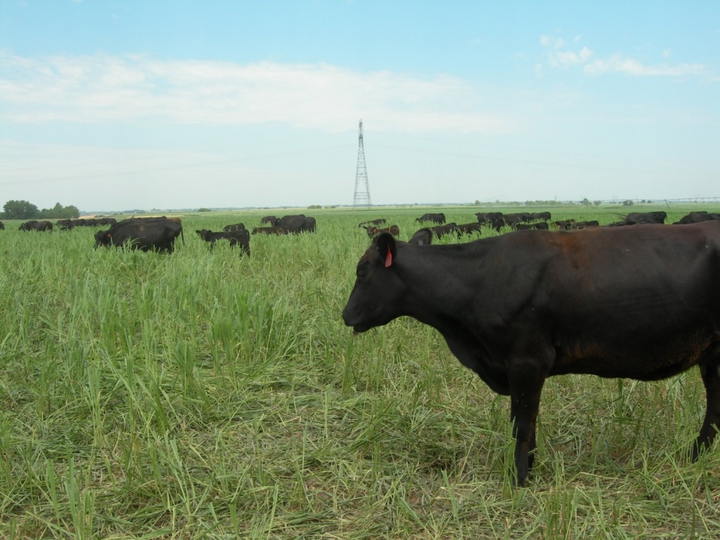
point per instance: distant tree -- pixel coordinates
(20, 210)
(60, 212)
(585, 202)
(204, 210)
(628, 202)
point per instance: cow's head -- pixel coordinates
(377, 291)
(103, 238)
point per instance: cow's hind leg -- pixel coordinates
(711, 378)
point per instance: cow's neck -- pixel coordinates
(441, 281)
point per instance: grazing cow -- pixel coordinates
(540, 216)
(240, 236)
(577, 225)
(272, 220)
(510, 220)
(644, 218)
(295, 224)
(64, 224)
(85, 222)
(468, 228)
(35, 225)
(2, 226)
(542, 226)
(442, 230)
(564, 224)
(374, 231)
(435, 218)
(631, 302)
(145, 234)
(372, 223)
(269, 230)
(234, 227)
(697, 217)
(486, 218)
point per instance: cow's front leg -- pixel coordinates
(525, 390)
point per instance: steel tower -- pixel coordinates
(362, 189)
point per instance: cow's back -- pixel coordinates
(611, 301)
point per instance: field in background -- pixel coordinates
(207, 395)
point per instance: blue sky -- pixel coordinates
(112, 105)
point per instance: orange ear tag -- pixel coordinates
(388, 259)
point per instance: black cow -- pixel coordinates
(269, 230)
(510, 220)
(234, 227)
(2, 226)
(372, 223)
(697, 217)
(564, 224)
(577, 225)
(64, 224)
(85, 222)
(485, 218)
(434, 218)
(145, 234)
(540, 216)
(295, 224)
(35, 225)
(374, 231)
(542, 226)
(239, 236)
(634, 302)
(272, 220)
(442, 230)
(645, 218)
(468, 228)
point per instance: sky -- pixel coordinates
(141, 104)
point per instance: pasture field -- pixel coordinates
(207, 395)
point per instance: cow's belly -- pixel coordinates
(643, 357)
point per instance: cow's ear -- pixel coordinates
(386, 248)
(423, 237)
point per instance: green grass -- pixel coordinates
(207, 395)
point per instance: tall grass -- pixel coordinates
(207, 395)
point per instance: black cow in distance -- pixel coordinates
(239, 237)
(145, 234)
(438, 218)
(34, 225)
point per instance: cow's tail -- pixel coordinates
(182, 235)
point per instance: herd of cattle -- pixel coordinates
(612, 301)
(159, 233)
(524, 221)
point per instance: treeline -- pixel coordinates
(27, 210)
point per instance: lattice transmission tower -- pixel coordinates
(362, 189)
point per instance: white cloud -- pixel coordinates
(628, 66)
(569, 58)
(558, 57)
(100, 88)
(552, 42)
